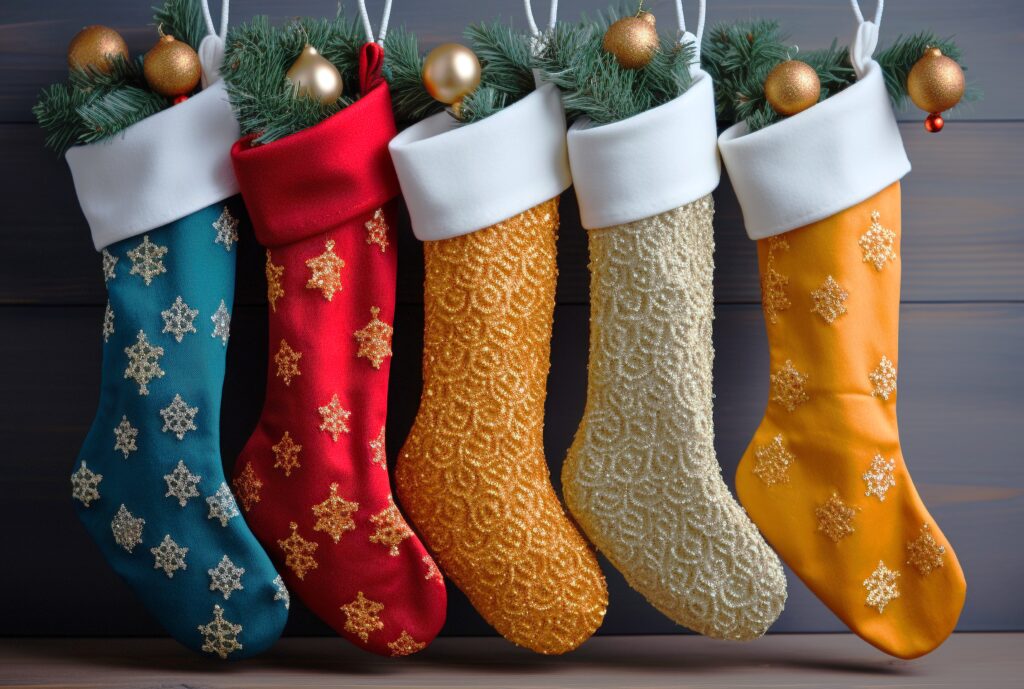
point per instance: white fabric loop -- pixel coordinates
(647, 164)
(532, 23)
(208, 18)
(863, 47)
(457, 179)
(211, 57)
(860, 15)
(368, 28)
(683, 33)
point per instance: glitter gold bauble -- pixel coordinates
(632, 40)
(935, 84)
(171, 67)
(792, 87)
(95, 46)
(450, 71)
(314, 76)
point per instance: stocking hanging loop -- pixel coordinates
(686, 37)
(866, 38)
(552, 17)
(211, 49)
(368, 28)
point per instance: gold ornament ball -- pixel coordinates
(95, 46)
(171, 67)
(935, 82)
(632, 40)
(450, 71)
(314, 76)
(792, 87)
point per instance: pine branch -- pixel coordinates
(113, 112)
(182, 19)
(403, 70)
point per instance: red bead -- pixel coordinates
(182, 99)
(934, 122)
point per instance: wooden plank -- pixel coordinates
(963, 228)
(961, 376)
(35, 35)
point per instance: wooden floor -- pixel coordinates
(824, 661)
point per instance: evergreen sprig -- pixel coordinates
(182, 19)
(403, 70)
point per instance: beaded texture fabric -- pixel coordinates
(824, 476)
(472, 475)
(641, 477)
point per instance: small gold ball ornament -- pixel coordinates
(95, 46)
(450, 71)
(792, 87)
(935, 84)
(171, 67)
(632, 40)
(314, 76)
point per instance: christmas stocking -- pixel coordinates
(824, 477)
(148, 483)
(472, 474)
(313, 478)
(641, 477)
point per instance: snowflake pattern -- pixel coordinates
(881, 586)
(377, 453)
(247, 487)
(287, 360)
(179, 319)
(127, 528)
(222, 505)
(282, 592)
(879, 478)
(178, 417)
(771, 462)
(883, 379)
(147, 260)
(143, 362)
(334, 515)
(274, 288)
(181, 484)
(125, 435)
(109, 265)
(334, 418)
(220, 636)
(169, 556)
(221, 323)
(108, 322)
(433, 573)
(326, 271)
(226, 577)
(924, 553)
(85, 485)
(362, 616)
(377, 230)
(286, 454)
(835, 518)
(405, 645)
(374, 339)
(391, 528)
(829, 300)
(298, 552)
(227, 229)
(774, 298)
(877, 243)
(788, 387)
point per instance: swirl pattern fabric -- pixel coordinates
(641, 477)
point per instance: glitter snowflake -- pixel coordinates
(108, 322)
(109, 265)
(326, 271)
(362, 616)
(829, 300)
(788, 387)
(298, 552)
(143, 362)
(274, 288)
(221, 323)
(282, 592)
(877, 243)
(881, 586)
(883, 379)
(835, 518)
(181, 484)
(247, 487)
(334, 515)
(146, 260)
(433, 573)
(374, 339)
(774, 299)
(169, 556)
(334, 418)
(771, 462)
(227, 229)
(391, 528)
(222, 505)
(405, 645)
(125, 435)
(287, 360)
(85, 485)
(879, 478)
(226, 577)
(377, 454)
(127, 529)
(178, 417)
(924, 553)
(220, 636)
(377, 230)
(286, 454)
(179, 319)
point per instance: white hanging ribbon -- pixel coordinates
(211, 49)
(552, 17)
(866, 39)
(383, 22)
(687, 38)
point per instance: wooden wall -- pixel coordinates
(961, 376)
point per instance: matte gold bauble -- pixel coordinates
(935, 82)
(450, 71)
(171, 67)
(314, 76)
(632, 40)
(96, 46)
(792, 87)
